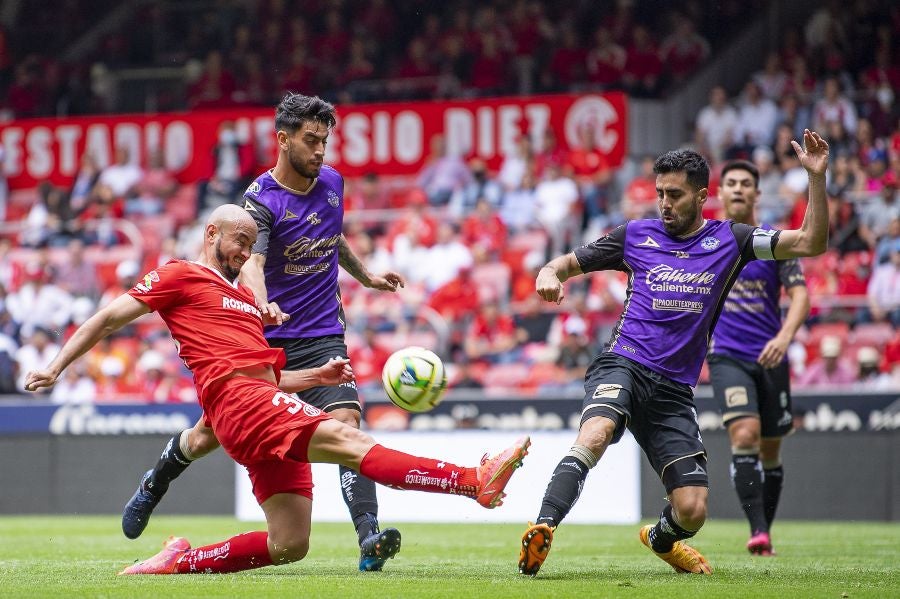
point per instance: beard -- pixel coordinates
(683, 223)
(227, 269)
(303, 168)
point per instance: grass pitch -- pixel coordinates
(67, 556)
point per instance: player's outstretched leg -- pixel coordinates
(163, 562)
(484, 483)
(154, 484)
(241, 552)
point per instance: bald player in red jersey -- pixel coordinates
(219, 333)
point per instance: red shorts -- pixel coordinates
(258, 425)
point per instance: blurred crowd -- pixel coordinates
(490, 231)
(243, 52)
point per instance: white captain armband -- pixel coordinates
(764, 241)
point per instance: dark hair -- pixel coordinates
(684, 161)
(742, 165)
(296, 109)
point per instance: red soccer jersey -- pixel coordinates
(215, 323)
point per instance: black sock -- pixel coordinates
(359, 495)
(667, 531)
(747, 476)
(773, 478)
(171, 464)
(563, 491)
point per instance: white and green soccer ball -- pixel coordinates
(414, 379)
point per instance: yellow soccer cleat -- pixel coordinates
(683, 558)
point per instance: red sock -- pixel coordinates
(403, 471)
(243, 552)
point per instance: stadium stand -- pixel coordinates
(99, 63)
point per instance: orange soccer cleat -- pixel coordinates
(494, 473)
(535, 548)
(163, 562)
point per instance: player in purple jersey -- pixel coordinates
(680, 268)
(748, 364)
(298, 208)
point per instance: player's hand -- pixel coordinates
(814, 155)
(548, 286)
(272, 314)
(336, 371)
(36, 379)
(773, 353)
(388, 281)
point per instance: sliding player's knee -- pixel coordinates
(288, 547)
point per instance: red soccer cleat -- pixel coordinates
(494, 473)
(163, 562)
(761, 544)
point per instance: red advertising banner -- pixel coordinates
(390, 139)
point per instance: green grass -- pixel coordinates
(68, 556)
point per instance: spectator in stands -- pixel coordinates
(557, 209)
(829, 369)
(415, 222)
(488, 75)
(492, 335)
(81, 192)
(792, 113)
(575, 350)
(75, 386)
(567, 61)
(122, 177)
(444, 173)
(215, 86)
(639, 199)
(594, 177)
(484, 232)
(449, 252)
(605, 61)
(843, 225)
(869, 376)
(834, 106)
(36, 352)
(457, 299)
(770, 206)
(39, 302)
(233, 165)
(77, 276)
(643, 67)
(45, 223)
(717, 126)
(365, 193)
(481, 186)
(154, 188)
(515, 164)
(549, 152)
(757, 117)
(683, 50)
(878, 215)
(773, 79)
(888, 242)
(884, 288)
(127, 272)
(519, 205)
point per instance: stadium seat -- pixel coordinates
(492, 281)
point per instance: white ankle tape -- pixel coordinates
(583, 454)
(184, 444)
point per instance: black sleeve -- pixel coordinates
(755, 243)
(606, 253)
(790, 273)
(265, 220)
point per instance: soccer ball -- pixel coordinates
(414, 379)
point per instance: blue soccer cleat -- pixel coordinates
(377, 548)
(137, 511)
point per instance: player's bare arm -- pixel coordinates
(113, 317)
(252, 276)
(774, 351)
(550, 279)
(387, 281)
(336, 371)
(811, 239)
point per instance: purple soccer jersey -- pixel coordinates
(299, 233)
(676, 288)
(751, 315)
